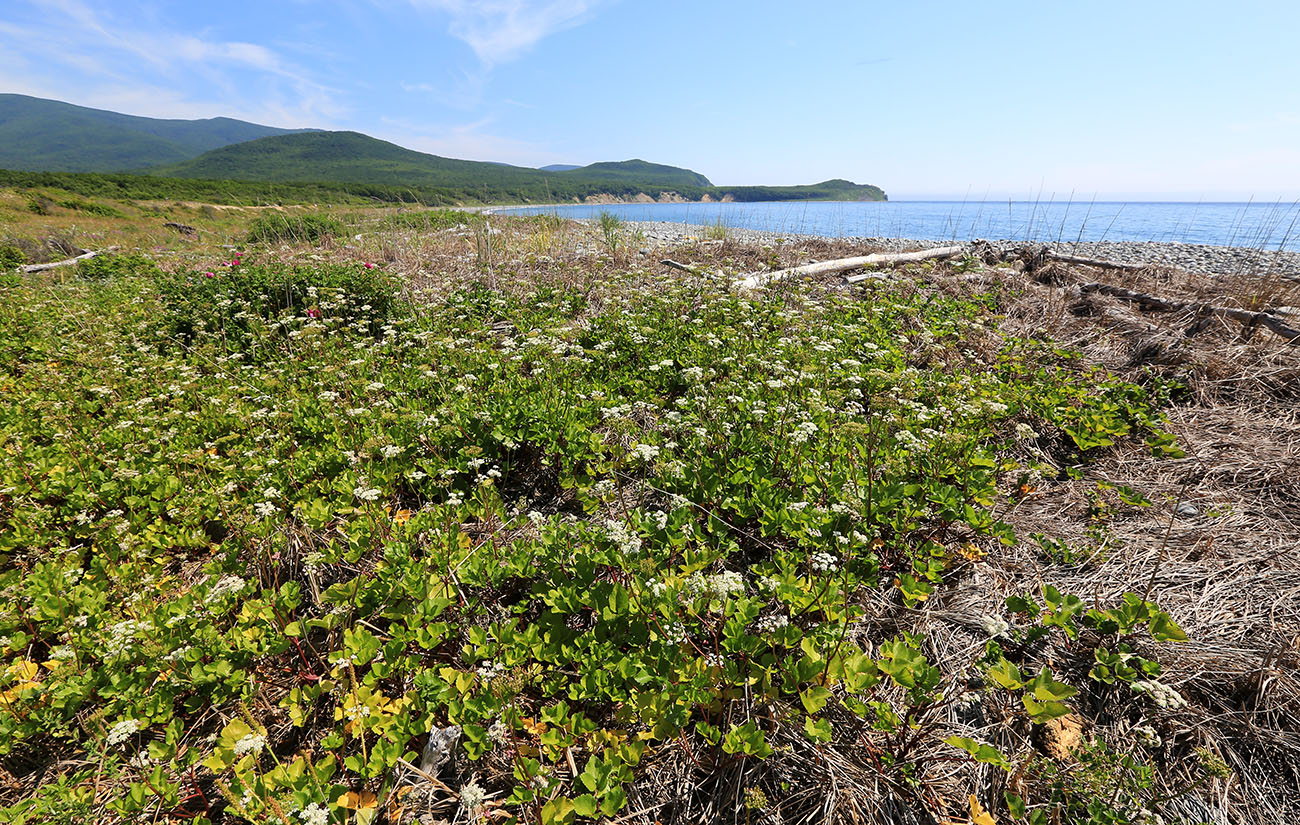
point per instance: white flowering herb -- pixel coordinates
(121, 732)
(823, 562)
(314, 814)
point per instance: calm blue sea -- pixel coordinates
(1265, 225)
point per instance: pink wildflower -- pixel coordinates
(209, 274)
(369, 265)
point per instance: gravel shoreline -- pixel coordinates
(1199, 258)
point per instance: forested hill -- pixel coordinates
(351, 157)
(52, 136)
(354, 158)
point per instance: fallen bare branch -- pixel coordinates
(68, 262)
(1158, 304)
(763, 279)
(683, 267)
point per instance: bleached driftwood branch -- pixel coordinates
(1158, 304)
(762, 279)
(683, 267)
(68, 262)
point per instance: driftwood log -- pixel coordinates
(184, 229)
(69, 262)
(762, 279)
(694, 270)
(1248, 319)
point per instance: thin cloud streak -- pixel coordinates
(501, 30)
(72, 34)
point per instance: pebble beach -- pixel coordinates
(1199, 258)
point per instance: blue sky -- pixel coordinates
(1138, 99)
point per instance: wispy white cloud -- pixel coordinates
(69, 50)
(501, 30)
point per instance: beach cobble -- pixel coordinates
(1200, 258)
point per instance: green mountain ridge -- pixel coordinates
(48, 135)
(636, 170)
(233, 159)
(352, 157)
(355, 158)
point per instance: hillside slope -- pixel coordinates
(352, 157)
(49, 135)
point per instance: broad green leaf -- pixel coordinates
(815, 698)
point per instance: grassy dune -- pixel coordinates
(430, 516)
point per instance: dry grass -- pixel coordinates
(1219, 547)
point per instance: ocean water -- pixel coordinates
(1260, 225)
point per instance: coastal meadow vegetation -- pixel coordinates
(303, 541)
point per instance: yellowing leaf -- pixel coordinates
(979, 816)
(24, 670)
(533, 726)
(402, 516)
(357, 801)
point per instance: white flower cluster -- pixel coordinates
(1146, 736)
(390, 451)
(250, 743)
(803, 432)
(472, 796)
(771, 624)
(718, 586)
(824, 562)
(314, 814)
(122, 731)
(121, 636)
(364, 491)
(646, 452)
(499, 733)
(356, 713)
(674, 633)
(658, 518)
(909, 440)
(227, 586)
(1024, 432)
(994, 627)
(490, 669)
(628, 542)
(266, 509)
(1164, 696)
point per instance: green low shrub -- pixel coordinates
(102, 267)
(240, 298)
(433, 219)
(281, 228)
(11, 257)
(89, 207)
